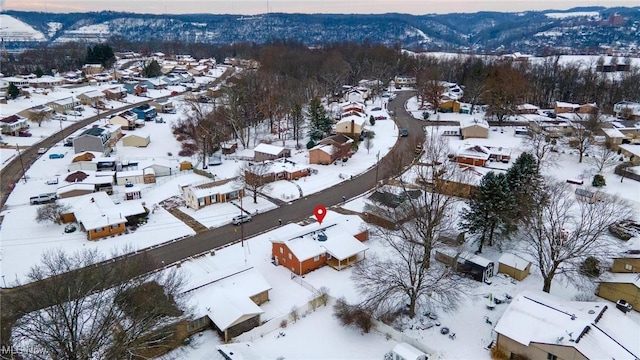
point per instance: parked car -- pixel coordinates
(623, 306)
(241, 219)
(56, 156)
(24, 134)
(52, 182)
(404, 132)
(159, 120)
(376, 109)
(174, 92)
(70, 228)
(381, 117)
(42, 151)
(59, 118)
(73, 113)
(42, 199)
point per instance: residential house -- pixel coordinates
(589, 108)
(404, 80)
(631, 151)
(264, 152)
(96, 139)
(474, 128)
(514, 266)
(613, 137)
(75, 189)
(130, 177)
(330, 149)
(306, 248)
(565, 107)
(163, 106)
(351, 125)
(145, 112)
(93, 98)
(136, 139)
(126, 120)
(627, 110)
(390, 206)
(136, 89)
(159, 83)
(352, 106)
(524, 109)
(623, 279)
(97, 214)
(540, 326)
(586, 195)
(356, 94)
(450, 106)
(99, 181)
(404, 351)
(232, 306)
(12, 125)
(200, 195)
(46, 81)
(37, 112)
(115, 93)
(65, 104)
(553, 130)
(475, 266)
(161, 167)
(274, 170)
(476, 155)
(90, 69)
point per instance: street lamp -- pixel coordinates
(3, 281)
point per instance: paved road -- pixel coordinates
(402, 154)
(12, 172)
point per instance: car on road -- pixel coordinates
(404, 132)
(241, 219)
(59, 118)
(42, 151)
(376, 109)
(174, 92)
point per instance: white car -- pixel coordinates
(241, 219)
(42, 151)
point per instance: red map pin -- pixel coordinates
(320, 212)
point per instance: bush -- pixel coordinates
(590, 267)
(311, 144)
(498, 354)
(353, 315)
(284, 323)
(372, 120)
(185, 153)
(294, 314)
(598, 181)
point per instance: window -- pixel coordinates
(290, 257)
(115, 226)
(281, 251)
(98, 230)
(628, 267)
(550, 356)
(316, 258)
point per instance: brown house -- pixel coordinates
(623, 282)
(99, 216)
(264, 152)
(331, 149)
(540, 326)
(310, 247)
(476, 155)
(198, 196)
(115, 93)
(270, 171)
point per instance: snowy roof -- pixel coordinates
(93, 94)
(239, 351)
(227, 308)
(614, 133)
(131, 173)
(592, 328)
(356, 120)
(624, 278)
(407, 351)
(340, 241)
(514, 261)
(474, 151)
(97, 210)
(324, 147)
(75, 186)
(561, 104)
(202, 191)
(468, 122)
(276, 166)
(527, 107)
(633, 149)
(476, 259)
(268, 149)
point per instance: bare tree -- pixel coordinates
(256, 177)
(602, 157)
(581, 139)
(542, 148)
(39, 116)
(368, 141)
(52, 212)
(75, 309)
(563, 231)
(406, 277)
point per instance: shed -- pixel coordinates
(186, 165)
(131, 176)
(136, 140)
(132, 193)
(404, 351)
(149, 176)
(514, 266)
(475, 266)
(232, 314)
(474, 128)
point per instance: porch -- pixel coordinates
(340, 264)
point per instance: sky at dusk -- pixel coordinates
(250, 7)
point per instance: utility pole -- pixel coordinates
(241, 222)
(24, 174)
(377, 166)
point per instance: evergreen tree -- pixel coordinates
(488, 208)
(372, 120)
(320, 123)
(152, 69)
(39, 72)
(524, 184)
(12, 91)
(100, 54)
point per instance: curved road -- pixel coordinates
(400, 156)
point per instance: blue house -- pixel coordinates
(145, 112)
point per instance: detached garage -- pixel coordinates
(136, 140)
(514, 266)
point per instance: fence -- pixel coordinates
(622, 171)
(401, 337)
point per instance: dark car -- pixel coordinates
(24, 134)
(404, 132)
